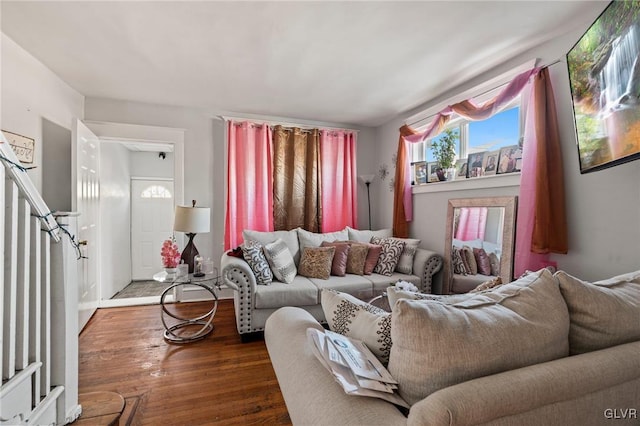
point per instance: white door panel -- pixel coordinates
(152, 209)
(85, 170)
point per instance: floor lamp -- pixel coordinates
(191, 220)
(367, 179)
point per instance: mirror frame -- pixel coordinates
(508, 234)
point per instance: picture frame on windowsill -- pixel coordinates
(419, 172)
(510, 160)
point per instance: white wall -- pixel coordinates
(115, 218)
(149, 164)
(30, 93)
(56, 166)
(603, 208)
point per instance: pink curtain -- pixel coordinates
(249, 181)
(471, 223)
(338, 174)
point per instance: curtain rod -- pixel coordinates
(557, 61)
(282, 123)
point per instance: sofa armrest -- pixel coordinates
(237, 275)
(426, 264)
(578, 390)
(310, 392)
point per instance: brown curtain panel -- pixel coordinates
(400, 223)
(296, 179)
(550, 226)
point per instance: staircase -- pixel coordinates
(38, 306)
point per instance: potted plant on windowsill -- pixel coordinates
(444, 151)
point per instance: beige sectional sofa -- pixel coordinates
(254, 303)
(566, 352)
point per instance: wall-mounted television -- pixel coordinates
(604, 72)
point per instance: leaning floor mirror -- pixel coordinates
(479, 242)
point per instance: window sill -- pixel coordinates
(484, 182)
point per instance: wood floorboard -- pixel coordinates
(215, 381)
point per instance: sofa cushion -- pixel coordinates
(356, 285)
(316, 262)
(437, 344)
(405, 262)
(394, 294)
(457, 262)
(494, 260)
(359, 320)
(301, 292)
(604, 313)
(289, 237)
(313, 239)
(254, 256)
(365, 235)
(339, 264)
(470, 264)
(391, 251)
(281, 261)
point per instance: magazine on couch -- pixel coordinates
(353, 366)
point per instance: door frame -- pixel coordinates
(123, 132)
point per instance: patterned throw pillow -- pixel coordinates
(281, 261)
(253, 255)
(472, 266)
(482, 260)
(357, 258)
(457, 262)
(316, 262)
(359, 320)
(391, 251)
(495, 282)
(405, 263)
(339, 264)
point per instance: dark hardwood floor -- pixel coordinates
(217, 380)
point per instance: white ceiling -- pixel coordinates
(342, 62)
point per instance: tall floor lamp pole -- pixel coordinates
(367, 179)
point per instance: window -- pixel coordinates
(501, 130)
(155, 191)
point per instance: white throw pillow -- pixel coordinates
(281, 261)
(604, 313)
(313, 239)
(357, 319)
(365, 236)
(405, 263)
(289, 237)
(437, 344)
(391, 251)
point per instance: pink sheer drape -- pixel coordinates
(249, 181)
(471, 223)
(338, 174)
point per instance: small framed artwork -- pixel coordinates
(490, 165)
(419, 172)
(510, 160)
(23, 146)
(432, 167)
(461, 168)
(475, 162)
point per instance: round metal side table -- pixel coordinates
(203, 323)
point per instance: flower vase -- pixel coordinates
(171, 271)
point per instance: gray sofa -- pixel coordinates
(592, 388)
(255, 303)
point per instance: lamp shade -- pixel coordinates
(367, 178)
(192, 220)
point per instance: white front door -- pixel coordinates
(85, 199)
(152, 209)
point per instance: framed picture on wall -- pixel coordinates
(419, 172)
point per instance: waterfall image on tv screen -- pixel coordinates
(604, 71)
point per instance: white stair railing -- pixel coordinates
(28, 301)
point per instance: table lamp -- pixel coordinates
(191, 220)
